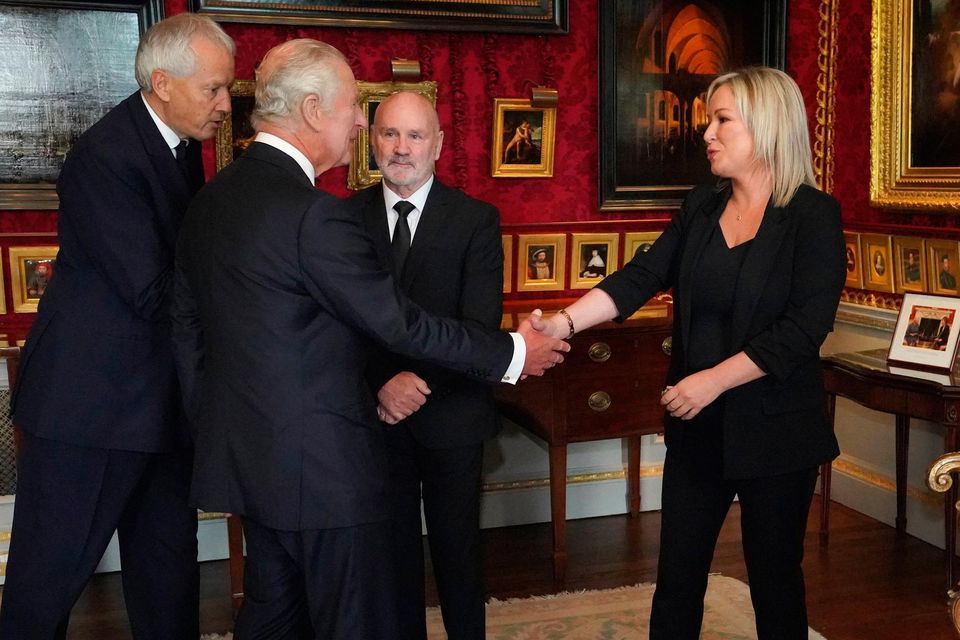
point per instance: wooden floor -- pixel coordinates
(867, 585)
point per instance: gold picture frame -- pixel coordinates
(363, 171)
(507, 241)
(910, 263)
(907, 166)
(637, 239)
(594, 256)
(27, 285)
(854, 270)
(236, 133)
(541, 261)
(523, 139)
(877, 262)
(943, 260)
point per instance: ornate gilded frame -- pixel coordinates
(363, 171)
(508, 115)
(503, 16)
(894, 181)
(236, 132)
(25, 301)
(608, 247)
(554, 246)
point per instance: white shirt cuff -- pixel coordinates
(515, 369)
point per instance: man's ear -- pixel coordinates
(160, 81)
(310, 111)
(436, 155)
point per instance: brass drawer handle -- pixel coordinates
(667, 345)
(599, 352)
(599, 401)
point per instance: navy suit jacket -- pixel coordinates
(97, 369)
(785, 302)
(454, 270)
(278, 297)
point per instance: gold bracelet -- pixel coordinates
(566, 315)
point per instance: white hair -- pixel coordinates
(166, 45)
(304, 67)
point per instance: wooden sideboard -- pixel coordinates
(608, 387)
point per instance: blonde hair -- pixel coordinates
(772, 108)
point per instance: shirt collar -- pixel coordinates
(418, 198)
(280, 144)
(169, 135)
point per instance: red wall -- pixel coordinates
(472, 69)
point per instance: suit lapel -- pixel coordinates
(375, 219)
(432, 221)
(757, 266)
(162, 159)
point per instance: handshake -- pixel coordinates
(406, 392)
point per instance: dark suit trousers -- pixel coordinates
(773, 517)
(69, 502)
(328, 584)
(450, 480)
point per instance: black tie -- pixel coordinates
(401, 235)
(192, 171)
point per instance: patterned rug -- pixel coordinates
(608, 614)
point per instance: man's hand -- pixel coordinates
(543, 352)
(400, 396)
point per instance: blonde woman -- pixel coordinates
(756, 263)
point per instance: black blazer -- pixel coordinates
(785, 302)
(454, 270)
(278, 296)
(97, 368)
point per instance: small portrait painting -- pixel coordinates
(878, 269)
(541, 265)
(540, 262)
(851, 243)
(523, 139)
(942, 258)
(39, 273)
(236, 133)
(31, 271)
(641, 241)
(911, 267)
(594, 257)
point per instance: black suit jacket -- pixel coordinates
(278, 296)
(97, 368)
(454, 270)
(785, 302)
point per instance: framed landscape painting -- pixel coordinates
(657, 59)
(63, 65)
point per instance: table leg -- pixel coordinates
(950, 510)
(558, 510)
(633, 474)
(903, 444)
(826, 474)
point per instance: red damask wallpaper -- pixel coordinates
(474, 68)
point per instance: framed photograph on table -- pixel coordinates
(30, 271)
(911, 264)
(63, 65)
(364, 171)
(926, 335)
(541, 260)
(594, 257)
(942, 261)
(523, 139)
(657, 58)
(851, 242)
(877, 262)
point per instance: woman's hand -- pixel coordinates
(688, 397)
